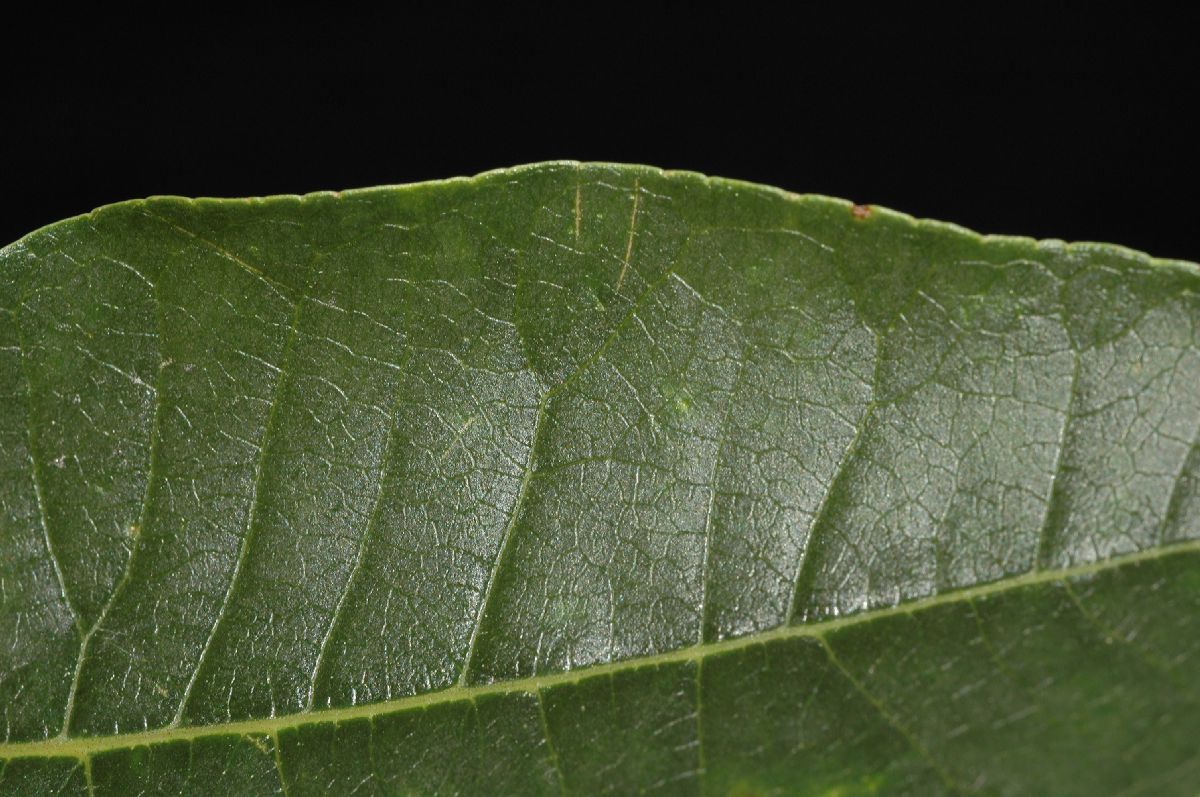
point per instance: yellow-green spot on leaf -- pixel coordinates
(745, 789)
(263, 743)
(682, 402)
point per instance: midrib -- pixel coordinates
(84, 747)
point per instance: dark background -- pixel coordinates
(1044, 126)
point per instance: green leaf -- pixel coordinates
(593, 479)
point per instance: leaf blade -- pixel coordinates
(568, 425)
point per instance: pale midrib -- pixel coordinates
(85, 747)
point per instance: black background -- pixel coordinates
(1047, 127)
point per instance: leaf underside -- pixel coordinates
(593, 479)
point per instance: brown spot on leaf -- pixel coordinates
(860, 211)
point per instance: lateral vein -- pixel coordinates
(252, 520)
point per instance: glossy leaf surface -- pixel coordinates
(593, 480)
